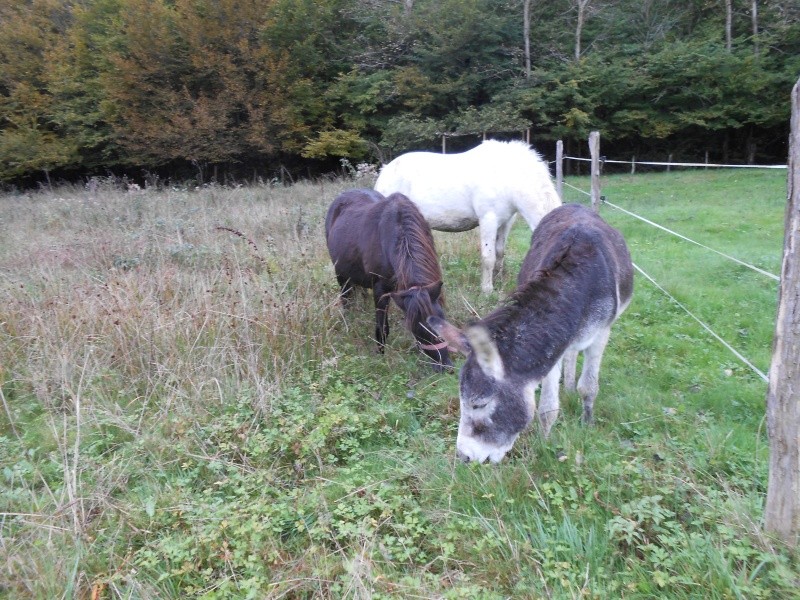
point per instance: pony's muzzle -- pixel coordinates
(439, 352)
(444, 367)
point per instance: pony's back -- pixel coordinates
(505, 177)
(484, 187)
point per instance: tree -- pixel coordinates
(78, 72)
(462, 53)
(31, 136)
(782, 510)
(526, 36)
(195, 81)
(498, 117)
(582, 7)
(728, 25)
(103, 84)
(754, 22)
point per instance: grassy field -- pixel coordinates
(187, 412)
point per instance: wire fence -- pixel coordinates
(672, 299)
(675, 164)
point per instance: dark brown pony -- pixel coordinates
(385, 244)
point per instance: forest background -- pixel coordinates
(228, 89)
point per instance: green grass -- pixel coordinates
(187, 412)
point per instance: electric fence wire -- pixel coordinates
(733, 350)
(676, 164)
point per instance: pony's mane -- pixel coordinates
(514, 146)
(417, 262)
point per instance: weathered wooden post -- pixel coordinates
(633, 164)
(594, 150)
(444, 144)
(782, 510)
(560, 169)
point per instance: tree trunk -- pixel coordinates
(729, 24)
(782, 510)
(582, 5)
(526, 33)
(754, 18)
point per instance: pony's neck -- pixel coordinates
(416, 263)
(538, 329)
(544, 200)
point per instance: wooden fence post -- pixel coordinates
(782, 509)
(560, 169)
(444, 144)
(633, 164)
(594, 149)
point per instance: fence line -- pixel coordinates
(569, 185)
(733, 350)
(736, 353)
(675, 164)
(604, 200)
(683, 237)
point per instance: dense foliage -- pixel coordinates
(162, 85)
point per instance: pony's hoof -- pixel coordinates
(546, 422)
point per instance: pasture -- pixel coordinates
(188, 412)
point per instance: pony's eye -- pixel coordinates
(479, 405)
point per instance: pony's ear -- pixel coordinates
(434, 290)
(486, 352)
(451, 334)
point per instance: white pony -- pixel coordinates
(486, 186)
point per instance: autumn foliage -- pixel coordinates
(248, 86)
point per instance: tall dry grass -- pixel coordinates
(125, 309)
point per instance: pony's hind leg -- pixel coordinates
(488, 229)
(382, 301)
(500, 244)
(589, 383)
(570, 364)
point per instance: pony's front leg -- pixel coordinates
(589, 383)
(346, 288)
(382, 301)
(488, 229)
(548, 402)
